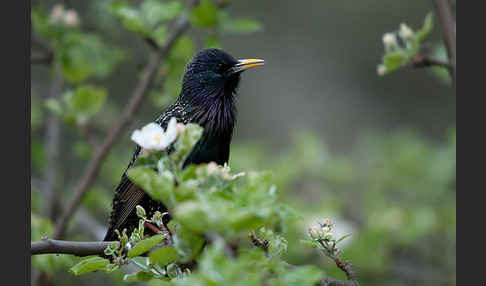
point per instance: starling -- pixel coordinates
(208, 99)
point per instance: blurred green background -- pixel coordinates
(375, 154)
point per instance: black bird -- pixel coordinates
(208, 99)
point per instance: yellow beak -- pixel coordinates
(249, 63)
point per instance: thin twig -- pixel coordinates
(448, 25)
(85, 132)
(139, 94)
(51, 246)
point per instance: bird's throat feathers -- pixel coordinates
(212, 108)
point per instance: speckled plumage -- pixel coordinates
(207, 98)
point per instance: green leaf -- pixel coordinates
(160, 35)
(84, 55)
(205, 15)
(187, 140)
(145, 276)
(158, 186)
(145, 245)
(132, 277)
(89, 265)
(301, 275)
(111, 267)
(394, 60)
(155, 11)
(140, 211)
(129, 16)
(54, 106)
(426, 29)
(164, 255)
(84, 102)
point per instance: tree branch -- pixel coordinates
(139, 93)
(448, 25)
(51, 246)
(347, 268)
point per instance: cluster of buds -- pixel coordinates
(390, 40)
(321, 237)
(322, 231)
(153, 137)
(68, 17)
(224, 172)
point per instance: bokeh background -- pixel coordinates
(375, 154)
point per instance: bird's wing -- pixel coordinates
(127, 194)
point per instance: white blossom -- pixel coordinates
(390, 41)
(381, 69)
(57, 13)
(71, 18)
(153, 137)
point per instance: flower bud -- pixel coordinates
(381, 70)
(314, 232)
(57, 13)
(390, 41)
(140, 211)
(326, 221)
(328, 236)
(405, 32)
(211, 168)
(71, 18)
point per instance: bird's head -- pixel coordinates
(214, 73)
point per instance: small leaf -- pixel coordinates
(158, 186)
(54, 106)
(393, 61)
(206, 15)
(145, 245)
(164, 255)
(145, 276)
(111, 267)
(89, 265)
(187, 140)
(141, 211)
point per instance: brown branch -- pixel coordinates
(448, 25)
(51, 246)
(88, 137)
(139, 94)
(347, 268)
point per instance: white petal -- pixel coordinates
(171, 132)
(146, 137)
